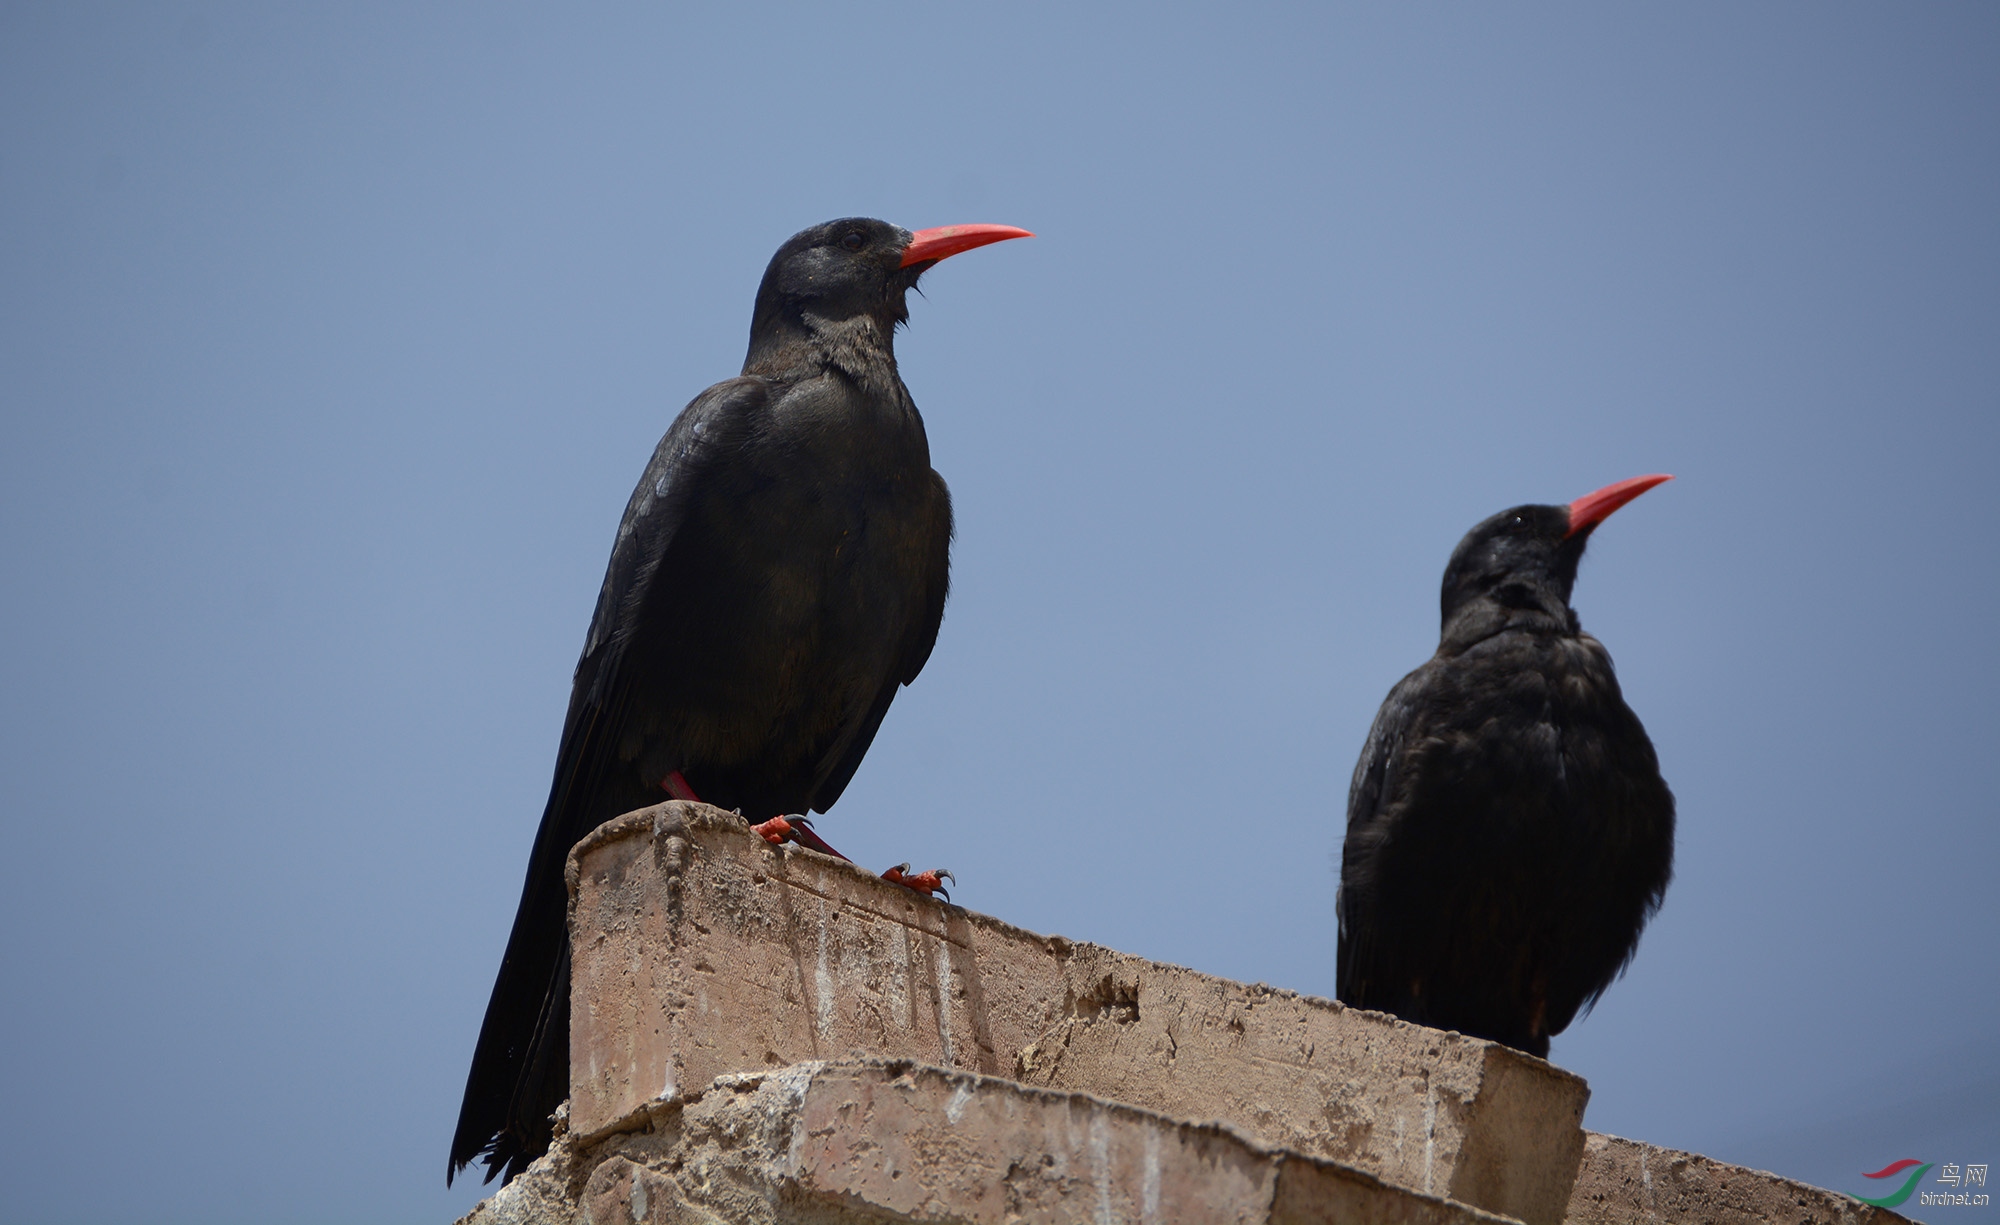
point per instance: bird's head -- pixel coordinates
(1520, 565)
(853, 271)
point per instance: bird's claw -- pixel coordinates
(797, 829)
(781, 829)
(926, 883)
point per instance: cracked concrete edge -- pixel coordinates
(762, 1146)
(1624, 1180)
(682, 818)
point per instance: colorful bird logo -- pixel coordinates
(1903, 1192)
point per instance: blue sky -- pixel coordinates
(332, 340)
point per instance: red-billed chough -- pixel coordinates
(780, 570)
(1508, 832)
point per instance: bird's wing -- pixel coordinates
(1368, 821)
(937, 583)
(934, 565)
(520, 1066)
(1372, 772)
(702, 434)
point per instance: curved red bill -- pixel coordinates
(1594, 508)
(940, 242)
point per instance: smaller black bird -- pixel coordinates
(1508, 832)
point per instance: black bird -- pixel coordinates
(780, 570)
(1508, 832)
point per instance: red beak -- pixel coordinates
(942, 241)
(1594, 508)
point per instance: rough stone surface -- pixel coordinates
(1623, 1181)
(819, 1144)
(701, 951)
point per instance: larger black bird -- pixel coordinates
(1508, 832)
(779, 572)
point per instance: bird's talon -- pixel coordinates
(926, 883)
(777, 830)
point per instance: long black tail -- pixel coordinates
(520, 1069)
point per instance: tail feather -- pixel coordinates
(520, 1067)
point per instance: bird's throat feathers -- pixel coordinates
(1480, 619)
(801, 344)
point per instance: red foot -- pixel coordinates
(776, 830)
(795, 829)
(925, 883)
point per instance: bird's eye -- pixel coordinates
(854, 241)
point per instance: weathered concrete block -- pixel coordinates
(895, 1142)
(1434, 1111)
(1625, 1181)
(699, 951)
(925, 1142)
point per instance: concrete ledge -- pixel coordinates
(701, 951)
(895, 1141)
(1622, 1180)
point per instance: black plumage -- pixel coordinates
(780, 570)
(1508, 831)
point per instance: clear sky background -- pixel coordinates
(332, 340)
